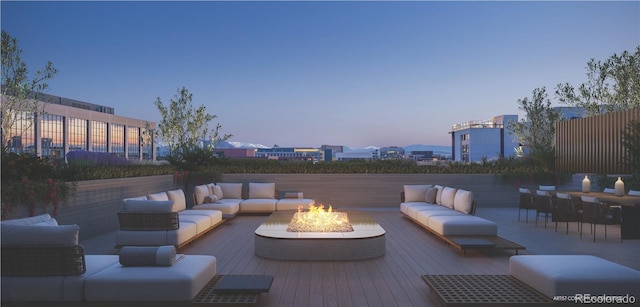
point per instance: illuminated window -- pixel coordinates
(98, 136)
(133, 142)
(117, 139)
(78, 134)
(21, 139)
(52, 136)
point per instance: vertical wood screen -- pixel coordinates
(593, 144)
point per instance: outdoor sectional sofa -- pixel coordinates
(449, 213)
(43, 262)
(162, 219)
(261, 198)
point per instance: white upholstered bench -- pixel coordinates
(571, 275)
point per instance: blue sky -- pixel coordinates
(313, 73)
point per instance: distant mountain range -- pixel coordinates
(437, 149)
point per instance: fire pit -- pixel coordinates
(317, 219)
(285, 236)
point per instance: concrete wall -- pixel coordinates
(97, 202)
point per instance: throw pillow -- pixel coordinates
(439, 195)
(200, 192)
(209, 199)
(430, 196)
(448, 196)
(148, 255)
(262, 190)
(463, 201)
(217, 191)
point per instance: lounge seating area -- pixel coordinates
(449, 213)
(261, 198)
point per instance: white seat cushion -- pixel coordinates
(423, 216)
(258, 205)
(180, 282)
(412, 211)
(228, 207)
(462, 225)
(214, 215)
(202, 222)
(575, 274)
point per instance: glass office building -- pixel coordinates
(67, 125)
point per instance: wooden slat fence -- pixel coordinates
(593, 144)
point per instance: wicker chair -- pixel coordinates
(526, 203)
(565, 211)
(594, 212)
(544, 205)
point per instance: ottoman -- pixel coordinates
(575, 275)
(466, 225)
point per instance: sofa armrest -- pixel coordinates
(402, 196)
(148, 220)
(42, 260)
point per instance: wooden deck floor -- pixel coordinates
(392, 280)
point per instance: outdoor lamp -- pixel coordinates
(619, 187)
(586, 184)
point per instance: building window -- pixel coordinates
(146, 143)
(117, 140)
(78, 134)
(99, 136)
(133, 143)
(52, 136)
(21, 137)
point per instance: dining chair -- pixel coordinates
(609, 190)
(565, 211)
(526, 203)
(634, 193)
(595, 212)
(542, 201)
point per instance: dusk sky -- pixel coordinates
(311, 73)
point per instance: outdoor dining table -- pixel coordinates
(630, 213)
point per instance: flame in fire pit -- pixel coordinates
(317, 219)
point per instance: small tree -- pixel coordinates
(19, 92)
(183, 127)
(612, 85)
(537, 131)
